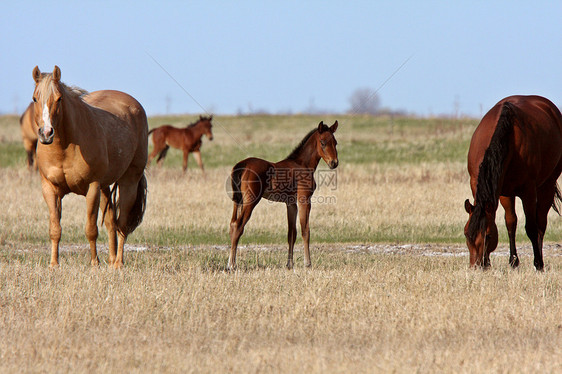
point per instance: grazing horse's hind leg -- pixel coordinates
(508, 204)
(531, 227)
(292, 233)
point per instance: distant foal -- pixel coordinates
(187, 139)
(290, 181)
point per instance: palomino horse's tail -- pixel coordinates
(235, 180)
(136, 213)
(557, 200)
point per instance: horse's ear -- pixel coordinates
(321, 127)
(200, 117)
(468, 206)
(36, 74)
(334, 127)
(210, 117)
(56, 73)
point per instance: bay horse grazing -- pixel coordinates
(88, 142)
(516, 150)
(290, 181)
(29, 135)
(188, 139)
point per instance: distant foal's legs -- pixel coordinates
(508, 204)
(197, 155)
(304, 214)
(292, 234)
(109, 219)
(158, 147)
(54, 203)
(185, 158)
(530, 208)
(92, 207)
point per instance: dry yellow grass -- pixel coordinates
(168, 312)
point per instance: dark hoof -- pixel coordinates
(514, 261)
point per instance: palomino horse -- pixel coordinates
(187, 139)
(516, 150)
(290, 181)
(29, 135)
(86, 144)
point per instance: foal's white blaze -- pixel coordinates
(46, 119)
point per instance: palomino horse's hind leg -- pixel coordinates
(304, 214)
(108, 210)
(92, 206)
(54, 203)
(508, 204)
(292, 233)
(240, 217)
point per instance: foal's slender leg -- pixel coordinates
(197, 155)
(54, 203)
(304, 215)
(508, 204)
(92, 207)
(185, 157)
(292, 235)
(109, 220)
(530, 208)
(237, 229)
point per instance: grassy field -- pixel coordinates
(389, 290)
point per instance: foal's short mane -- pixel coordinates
(490, 171)
(298, 149)
(201, 119)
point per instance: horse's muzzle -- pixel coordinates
(333, 164)
(46, 138)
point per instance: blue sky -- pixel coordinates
(287, 56)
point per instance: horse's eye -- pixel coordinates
(34, 99)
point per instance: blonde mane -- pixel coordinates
(46, 88)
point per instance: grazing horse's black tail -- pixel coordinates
(557, 200)
(235, 181)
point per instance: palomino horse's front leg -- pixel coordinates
(292, 233)
(92, 207)
(304, 214)
(54, 203)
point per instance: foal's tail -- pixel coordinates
(151, 131)
(236, 181)
(557, 199)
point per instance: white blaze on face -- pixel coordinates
(47, 128)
